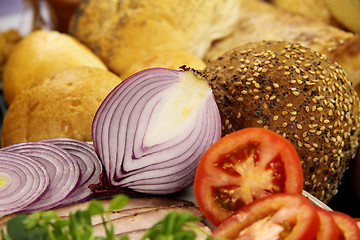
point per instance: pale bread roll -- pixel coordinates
(125, 32)
(40, 53)
(172, 59)
(61, 104)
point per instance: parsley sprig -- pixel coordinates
(47, 225)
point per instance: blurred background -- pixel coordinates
(25, 15)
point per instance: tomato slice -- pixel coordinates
(278, 216)
(244, 166)
(347, 226)
(357, 220)
(328, 229)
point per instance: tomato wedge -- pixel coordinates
(347, 226)
(244, 166)
(278, 216)
(328, 229)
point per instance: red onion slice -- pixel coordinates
(63, 170)
(89, 163)
(22, 182)
(153, 128)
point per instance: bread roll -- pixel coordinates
(60, 104)
(172, 59)
(8, 40)
(262, 21)
(297, 93)
(40, 53)
(123, 32)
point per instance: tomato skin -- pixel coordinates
(282, 209)
(274, 166)
(328, 229)
(347, 226)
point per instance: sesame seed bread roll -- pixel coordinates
(40, 53)
(297, 93)
(260, 21)
(60, 104)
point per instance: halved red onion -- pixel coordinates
(63, 170)
(89, 163)
(153, 128)
(22, 182)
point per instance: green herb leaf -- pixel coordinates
(17, 230)
(80, 226)
(118, 202)
(171, 227)
(96, 208)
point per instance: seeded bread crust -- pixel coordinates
(297, 93)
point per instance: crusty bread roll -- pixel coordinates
(263, 21)
(123, 32)
(297, 93)
(172, 59)
(60, 104)
(40, 53)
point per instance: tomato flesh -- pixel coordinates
(278, 216)
(242, 162)
(328, 229)
(244, 166)
(347, 226)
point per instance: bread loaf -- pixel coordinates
(123, 32)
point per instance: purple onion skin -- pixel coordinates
(123, 122)
(90, 167)
(56, 162)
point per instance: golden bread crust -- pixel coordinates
(40, 53)
(61, 104)
(123, 32)
(172, 59)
